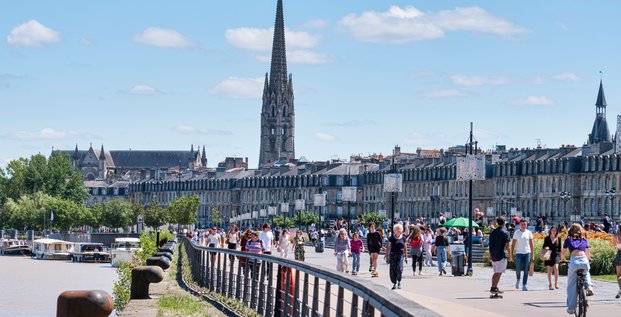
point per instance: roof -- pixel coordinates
(141, 159)
(49, 241)
(126, 239)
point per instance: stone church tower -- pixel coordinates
(600, 132)
(277, 113)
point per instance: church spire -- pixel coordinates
(601, 99)
(278, 70)
(600, 131)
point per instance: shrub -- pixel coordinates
(121, 289)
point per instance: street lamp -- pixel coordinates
(565, 196)
(611, 194)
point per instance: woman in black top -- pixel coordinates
(398, 253)
(442, 249)
(374, 245)
(553, 244)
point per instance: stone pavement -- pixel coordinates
(469, 296)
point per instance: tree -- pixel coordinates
(214, 216)
(184, 210)
(282, 221)
(116, 213)
(305, 218)
(155, 216)
(373, 216)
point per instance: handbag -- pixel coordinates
(545, 255)
(531, 269)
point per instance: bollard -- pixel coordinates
(94, 303)
(142, 276)
(160, 261)
(166, 254)
(166, 249)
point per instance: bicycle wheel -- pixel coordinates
(581, 308)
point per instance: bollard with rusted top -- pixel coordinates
(96, 303)
(142, 276)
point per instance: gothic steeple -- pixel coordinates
(278, 112)
(204, 158)
(102, 154)
(600, 132)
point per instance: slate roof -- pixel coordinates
(141, 159)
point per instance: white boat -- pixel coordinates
(123, 249)
(89, 252)
(14, 246)
(51, 249)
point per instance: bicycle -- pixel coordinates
(582, 304)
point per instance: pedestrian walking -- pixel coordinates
(442, 248)
(342, 249)
(298, 246)
(398, 253)
(356, 247)
(551, 255)
(284, 243)
(415, 241)
(427, 246)
(522, 247)
(267, 237)
(374, 245)
(255, 246)
(499, 241)
(618, 259)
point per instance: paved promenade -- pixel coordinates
(469, 296)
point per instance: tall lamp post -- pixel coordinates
(611, 194)
(565, 196)
(472, 147)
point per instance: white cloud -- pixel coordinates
(535, 101)
(255, 39)
(32, 34)
(316, 24)
(86, 41)
(48, 134)
(144, 90)
(566, 77)
(403, 25)
(418, 139)
(321, 136)
(471, 81)
(164, 38)
(190, 130)
(445, 93)
(239, 88)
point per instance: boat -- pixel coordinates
(89, 252)
(51, 249)
(123, 249)
(14, 246)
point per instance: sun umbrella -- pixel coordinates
(459, 222)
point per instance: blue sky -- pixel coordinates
(367, 74)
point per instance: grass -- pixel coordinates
(608, 277)
(185, 305)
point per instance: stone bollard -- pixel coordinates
(95, 303)
(160, 261)
(166, 254)
(142, 276)
(166, 249)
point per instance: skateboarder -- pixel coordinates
(499, 241)
(374, 245)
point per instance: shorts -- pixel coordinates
(499, 266)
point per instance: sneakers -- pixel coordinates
(590, 291)
(618, 294)
(571, 311)
(394, 286)
(399, 285)
(443, 271)
(517, 284)
(524, 288)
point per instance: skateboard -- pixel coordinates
(374, 274)
(495, 295)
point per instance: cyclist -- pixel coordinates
(580, 258)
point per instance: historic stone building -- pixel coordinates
(278, 111)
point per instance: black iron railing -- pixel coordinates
(276, 287)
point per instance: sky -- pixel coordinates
(367, 74)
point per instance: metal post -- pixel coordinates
(470, 210)
(392, 196)
(305, 297)
(326, 299)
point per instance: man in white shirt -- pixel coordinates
(267, 237)
(522, 247)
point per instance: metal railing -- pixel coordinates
(276, 287)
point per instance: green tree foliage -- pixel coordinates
(54, 176)
(116, 213)
(34, 212)
(282, 221)
(155, 215)
(305, 218)
(373, 216)
(215, 216)
(184, 210)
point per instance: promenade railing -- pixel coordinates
(277, 287)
